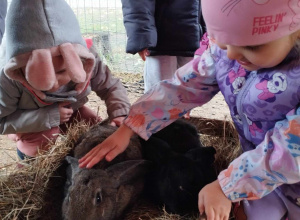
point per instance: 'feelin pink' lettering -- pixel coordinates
(267, 24)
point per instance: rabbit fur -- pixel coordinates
(105, 191)
(182, 167)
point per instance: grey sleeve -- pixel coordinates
(109, 89)
(25, 121)
(139, 22)
(14, 120)
(3, 9)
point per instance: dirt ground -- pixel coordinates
(215, 109)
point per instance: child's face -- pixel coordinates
(261, 56)
(61, 75)
(62, 78)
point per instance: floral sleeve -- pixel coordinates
(192, 85)
(274, 162)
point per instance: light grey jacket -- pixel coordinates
(3, 8)
(21, 111)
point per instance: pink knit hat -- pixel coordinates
(250, 22)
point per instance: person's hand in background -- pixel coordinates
(144, 53)
(117, 121)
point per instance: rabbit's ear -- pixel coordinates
(127, 171)
(74, 166)
(156, 150)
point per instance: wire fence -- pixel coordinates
(102, 20)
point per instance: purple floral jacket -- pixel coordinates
(263, 106)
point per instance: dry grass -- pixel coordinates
(222, 135)
(128, 77)
(145, 210)
(23, 189)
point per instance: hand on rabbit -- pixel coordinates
(213, 202)
(109, 148)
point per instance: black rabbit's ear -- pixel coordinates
(127, 171)
(155, 149)
(180, 135)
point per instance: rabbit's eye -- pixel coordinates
(98, 198)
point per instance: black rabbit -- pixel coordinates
(182, 167)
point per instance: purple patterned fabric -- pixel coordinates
(264, 108)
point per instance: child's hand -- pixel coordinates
(115, 144)
(117, 121)
(213, 202)
(144, 53)
(65, 112)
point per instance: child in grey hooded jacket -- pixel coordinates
(49, 72)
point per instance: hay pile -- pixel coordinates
(23, 189)
(29, 192)
(220, 134)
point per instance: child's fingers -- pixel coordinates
(86, 158)
(83, 159)
(210, 214)
(201, 204)
(226, 217)
(94, 156)
(93, 161)
(89, 162)
(113, 153)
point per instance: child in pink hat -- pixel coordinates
(251, 54)
(49, 72)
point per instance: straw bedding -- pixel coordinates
(35, 191)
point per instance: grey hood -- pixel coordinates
(36, 24)
(38, 30)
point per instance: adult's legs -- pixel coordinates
(181, 61)
(158, 68)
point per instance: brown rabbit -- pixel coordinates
(109, 188)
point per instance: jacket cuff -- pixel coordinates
(136, 124)
(227, 186)
(54, 116)
(224, 182)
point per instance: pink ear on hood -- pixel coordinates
(39, 70)
(73, 63)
